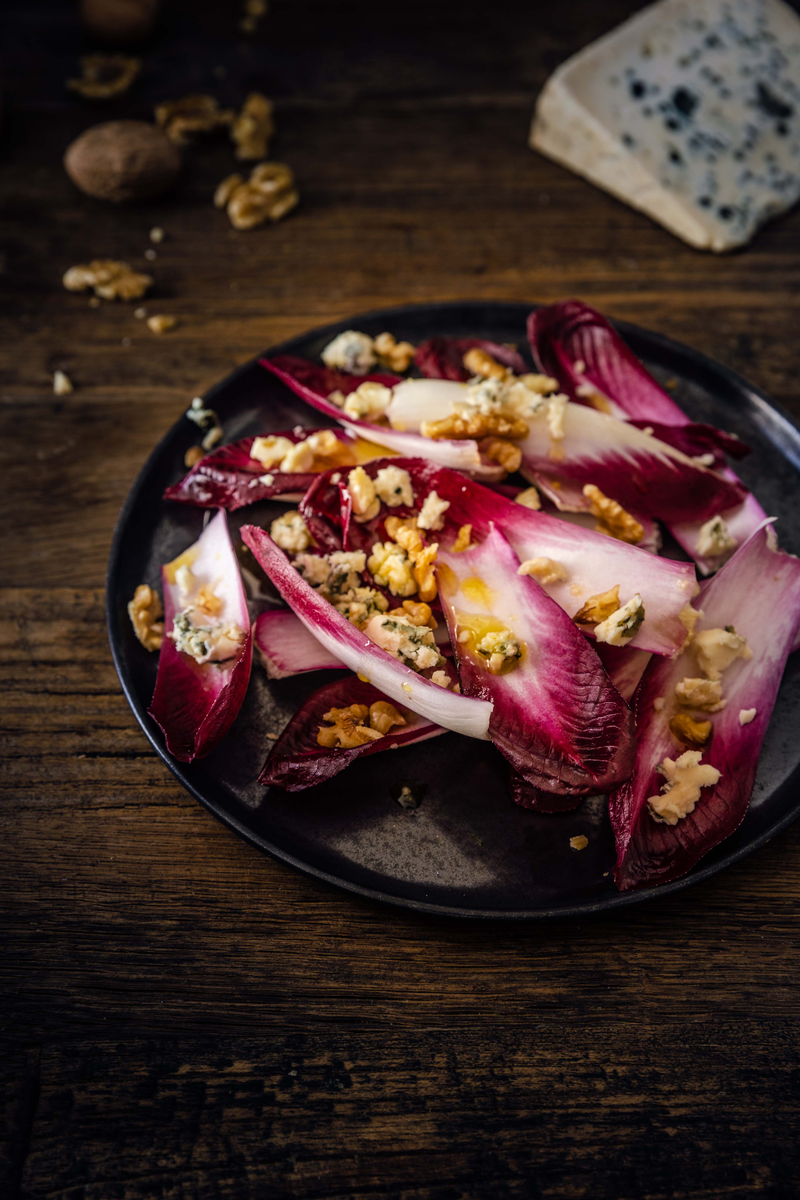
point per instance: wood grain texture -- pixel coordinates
(161, 980)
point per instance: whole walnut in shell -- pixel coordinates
(122, 160)
(120, 22)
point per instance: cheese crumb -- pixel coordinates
(393, 487)
(704, 694)
(658, 703)
(622, 625)
(351, 351)
(391, 567)
(546, 570)
(716, 649)
(684, 777)
(443, 679)
(368, 402)
(270, 451)
(431, 515)
(556, 411)
(501, 650)
(746, 715)
(715, 539)
(290, 533)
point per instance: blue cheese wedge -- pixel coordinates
(689, 112)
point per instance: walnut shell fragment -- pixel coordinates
(121, 161)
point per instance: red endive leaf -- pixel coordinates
(443, 357)
(758, 593)
(195, 705)
(298, 761)
(555, 716)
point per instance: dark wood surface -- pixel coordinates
(182, 1017)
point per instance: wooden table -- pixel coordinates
(183, 1017)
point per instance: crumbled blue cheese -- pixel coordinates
(715, 539)
(393, 487)
(332, 574)
(556, 411)
(366, 504)
(368, 402)
(215, 642)
(501, 649)
(391, 567)
(413, 645)
(716, 649)
(270, 451)
(688, 112)
(351, 351)
(185, 582)
(702, 694)
(290, 533)
(359, 604)
(441, 678)
(509, 395)
(545, 570)
(684, 777)
(623, 624)
(746, 715)
(431, 515)
(689, 617)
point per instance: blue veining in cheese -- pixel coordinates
(690, 112)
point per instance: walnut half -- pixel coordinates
(358, 724)
(268, 195)
(111, 280)
(146, 613)
(612, 517)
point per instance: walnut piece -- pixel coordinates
(463, 539)
(479, 362)
(146, 613)
(397, 356)
(405, 533)
(691, 732)
(503, 452)
(268, 195)
(183, 120)
(253, 128)
(612, 518)
(598, 608)
(111, 280)
(105, 75)
(415, 613)
(226, 189)
(475, 425)
(161, 323)
(193, 456)
(358, 724)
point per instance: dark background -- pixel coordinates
(182, 1017)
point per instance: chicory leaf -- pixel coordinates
(757, 593)
(285, 647)
(196, 704)
(443, 357)
(555, 716)
(399, 682)
(298, 761)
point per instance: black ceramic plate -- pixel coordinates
(467, 850)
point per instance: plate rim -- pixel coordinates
(783, 433)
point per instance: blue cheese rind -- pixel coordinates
(689, 112)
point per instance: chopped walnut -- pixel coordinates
(358, 724)
(505, 453)
(146, 613)
(463, 539)
(253, 128)
(383, 716)
(111, 280)
(415, 613)
(545, 570)
(580, 842)
(691, 732)
(397, 356)
(268, 195)
(193, 456)
(475, 425)
(479, 362)
(226, 189)
(105, 75)
(161, 323)
(407, 535)
(612, 517)
(598, 608)
(182, 120)
(62, 384)
(208, 601)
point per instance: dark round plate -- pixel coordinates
(467, 850)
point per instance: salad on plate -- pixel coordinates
(472, 542)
